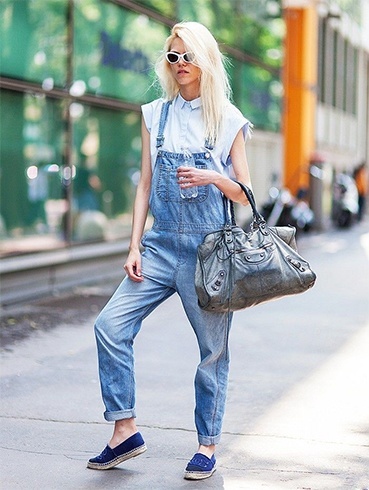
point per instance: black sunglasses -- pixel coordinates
(173, 57)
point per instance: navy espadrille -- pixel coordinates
(109, 458)
(200, 467)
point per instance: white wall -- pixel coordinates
(265, 157)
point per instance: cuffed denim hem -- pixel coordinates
(119, 415)
(208, 440)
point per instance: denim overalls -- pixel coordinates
(168, 266)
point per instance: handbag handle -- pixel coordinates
(257, 217)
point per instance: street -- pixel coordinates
(298, 401)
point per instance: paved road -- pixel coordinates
(298, 405)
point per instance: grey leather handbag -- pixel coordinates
(237, 270)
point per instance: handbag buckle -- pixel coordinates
(296, 263)
(219, 279)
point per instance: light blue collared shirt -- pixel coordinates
(185, 130)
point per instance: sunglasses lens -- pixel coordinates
(172, 57)
(188, 57)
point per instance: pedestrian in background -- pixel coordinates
(193, 142)
(361, 180)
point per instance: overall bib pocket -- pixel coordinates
(167, 187)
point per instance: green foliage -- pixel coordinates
(254, 27)
(33, 36)
(113, 54)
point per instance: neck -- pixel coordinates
(189, 94)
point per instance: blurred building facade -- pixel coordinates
(343, 83)
(74, 74)
(326, 102)
(342, 116)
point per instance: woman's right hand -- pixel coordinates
(132, 266)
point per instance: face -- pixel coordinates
(187, 75)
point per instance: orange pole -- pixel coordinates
(300, 80)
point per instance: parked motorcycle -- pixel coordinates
(284, 209)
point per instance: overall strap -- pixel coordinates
(208, 145)
(162, 123)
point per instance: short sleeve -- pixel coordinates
(149, 111)
(234, 122)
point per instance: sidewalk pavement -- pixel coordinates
(298, 405)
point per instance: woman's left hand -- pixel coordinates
(192, 177)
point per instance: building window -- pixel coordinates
(321, 59)
(337, 69)
(74, 74)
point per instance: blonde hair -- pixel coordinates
(214, 84)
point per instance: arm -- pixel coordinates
(241, 171)
(197, 177)
(140, 209)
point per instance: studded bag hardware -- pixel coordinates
(237, 270)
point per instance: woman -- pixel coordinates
(197, 120)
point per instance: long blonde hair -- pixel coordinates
(214, 84)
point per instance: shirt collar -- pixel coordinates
(194, 104)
